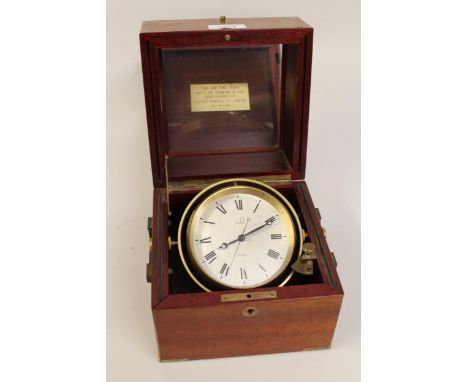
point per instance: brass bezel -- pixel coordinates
(254, 187)
(232, 190)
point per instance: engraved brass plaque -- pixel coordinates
(219, 97)
(248, 296)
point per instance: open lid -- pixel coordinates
(226, 100)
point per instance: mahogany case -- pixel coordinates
(224, 103)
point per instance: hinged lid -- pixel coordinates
(226, 98)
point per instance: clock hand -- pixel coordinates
(267, 222)
(242, 236)
(225, 245)
(239, 238)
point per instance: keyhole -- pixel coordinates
(249, 312)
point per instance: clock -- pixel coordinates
(229, 100)
(238, 234)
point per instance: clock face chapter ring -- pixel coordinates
(239, 234)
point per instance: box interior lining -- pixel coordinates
(180, 282)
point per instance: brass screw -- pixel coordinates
(171, 243)
(308, 252)
(227, 37)
(308, 248)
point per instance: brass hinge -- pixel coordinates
(150, 227)
(318, 213)
(150, 245)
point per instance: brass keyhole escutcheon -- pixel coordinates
(227, 37)
(250, 312)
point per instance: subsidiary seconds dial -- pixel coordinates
(241, 236)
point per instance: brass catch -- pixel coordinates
(248, 296)
(324, 231)
(304, 264)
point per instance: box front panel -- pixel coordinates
(236, 329)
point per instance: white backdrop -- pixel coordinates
(333, 176)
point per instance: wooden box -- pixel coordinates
(195, 141)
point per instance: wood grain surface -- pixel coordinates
(198, 324)
(222, 330)
(171, 155)
(260, 23)
(190, 323)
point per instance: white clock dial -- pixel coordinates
(241, 237)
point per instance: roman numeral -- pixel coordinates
(206, 240)
(243, 274)
(256, 206)
(211, 256)
(273, 254)
(224, 268)
(239, 204)
(275, 236)
(221, 208)
(206, 221)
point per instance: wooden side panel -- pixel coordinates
(307, 70)
(312, 219)
(159, 261)
(223, 331)
(150, 112)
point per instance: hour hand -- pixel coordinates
(241, 237)
(225, 245)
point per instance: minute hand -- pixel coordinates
(267, 222)
(242, 236)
